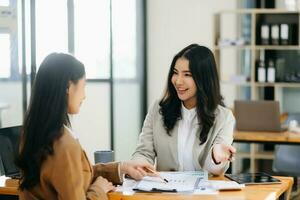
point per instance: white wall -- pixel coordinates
(172, 25)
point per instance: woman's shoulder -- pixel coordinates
(67, 142)
(223, 113)
(154, 106)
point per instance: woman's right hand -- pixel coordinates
(104, 184)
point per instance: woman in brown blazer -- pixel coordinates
(53, 164)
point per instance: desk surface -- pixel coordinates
(8, 186)
(249, 192)
(253, 192)
(264, 137)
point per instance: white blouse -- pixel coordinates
(186, 139)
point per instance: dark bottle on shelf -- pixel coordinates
(280, 74)
(265, 34)
(275, 34)
(294, 33)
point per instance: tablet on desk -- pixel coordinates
(253, 178)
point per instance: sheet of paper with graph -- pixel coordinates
(177, 182)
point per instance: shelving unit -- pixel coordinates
(239, 71)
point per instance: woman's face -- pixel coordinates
(76, 94)
(184, 83)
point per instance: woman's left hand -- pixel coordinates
(136, 169)
(222, 152)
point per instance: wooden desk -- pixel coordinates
(254, 192)
(8, 186)
(255, 138)
(267, 137)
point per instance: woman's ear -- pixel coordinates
(69, 85)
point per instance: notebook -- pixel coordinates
(258, 116)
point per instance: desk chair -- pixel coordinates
(1, 167)
(287, 160)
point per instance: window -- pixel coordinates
(106, 35)
(92, 37)
(51, 29)
(4, 2)
(5, 58)
(125, 39)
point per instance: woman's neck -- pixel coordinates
(189, 104)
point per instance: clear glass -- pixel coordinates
(27, 36)
(124, 39)
(127, 87)
(127, 118)
(4, 2)
(92, 37)
(11, 111)
(51, 28)
(5, 61)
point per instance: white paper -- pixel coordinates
(127, 187)
(177, 181)
(221, 185)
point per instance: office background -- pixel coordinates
(126, 46)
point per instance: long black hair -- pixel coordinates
(204, 72)
(47, 113)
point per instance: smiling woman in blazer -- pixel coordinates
(189, 128)
(52, 161)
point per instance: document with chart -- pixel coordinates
(177, 182)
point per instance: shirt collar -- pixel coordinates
(188, 114)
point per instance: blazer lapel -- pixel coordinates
(87, 160)
(173, 145)
(197, 147)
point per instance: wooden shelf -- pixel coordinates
(236, 83)
(254, 51)
(256, 84)
(258, 155)
(286, 85)
(258, 47)
(238, 47)
(277, 47)
(259, 11)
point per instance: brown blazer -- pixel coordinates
(68, 174)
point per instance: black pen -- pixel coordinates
(157, 174)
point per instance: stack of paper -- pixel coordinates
(224, 185)
(177, 182)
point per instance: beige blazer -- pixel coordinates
(68, 174)
(155, 143)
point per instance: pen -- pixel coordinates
(156, 173)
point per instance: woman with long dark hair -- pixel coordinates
(189, 128)
(52, 162)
